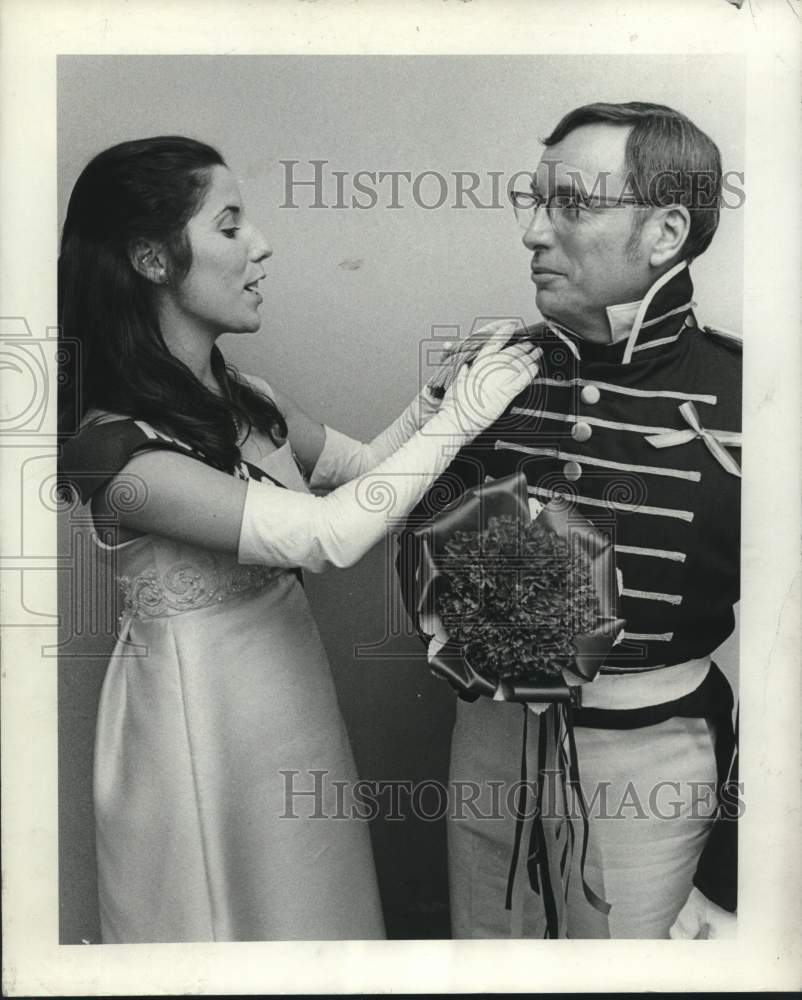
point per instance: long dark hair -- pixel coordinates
(113, 355)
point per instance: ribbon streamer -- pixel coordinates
(715, 441)
(425, 571)
(537, 860)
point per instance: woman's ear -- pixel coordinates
(148, 260)
(674, 226)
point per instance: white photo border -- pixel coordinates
(766, 953)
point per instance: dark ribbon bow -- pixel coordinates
(472, 512)
(421, 586)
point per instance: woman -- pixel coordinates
(218, 703)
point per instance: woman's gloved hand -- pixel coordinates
(343, 458)
(485, 386)
(286, 528)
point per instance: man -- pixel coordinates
(636, 417)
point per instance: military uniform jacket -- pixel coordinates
(643, 435)
(611, 428)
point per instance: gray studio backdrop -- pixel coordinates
(353, 297)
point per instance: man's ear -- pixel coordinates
(149, 260)
(673, 227)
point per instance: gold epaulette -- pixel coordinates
(732, 338)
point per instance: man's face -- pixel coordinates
(587, 258)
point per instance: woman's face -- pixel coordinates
(219, 293)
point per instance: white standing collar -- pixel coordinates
(626, 320)
(621, 319)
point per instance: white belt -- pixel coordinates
(652, 687)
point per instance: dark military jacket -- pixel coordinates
(591, 428)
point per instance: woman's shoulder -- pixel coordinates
(100, 429)
(280, 401)
(257, 382)
(98, 450)
(95, 416)
(103, 445)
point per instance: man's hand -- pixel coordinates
(699, 918)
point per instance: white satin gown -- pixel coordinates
(217, 707)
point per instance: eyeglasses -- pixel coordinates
(562, 206)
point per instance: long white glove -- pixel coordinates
(286, 528)
(343, 458)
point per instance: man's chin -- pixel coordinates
(248, 326)
(549, 305)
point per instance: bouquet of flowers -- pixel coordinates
(516, 600)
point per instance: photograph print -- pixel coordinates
(400, 476)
